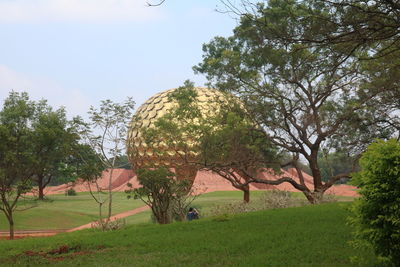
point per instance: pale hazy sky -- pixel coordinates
(77, 52)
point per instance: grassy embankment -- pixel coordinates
(304, 236)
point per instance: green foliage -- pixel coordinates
(159, 191)
(221, 137)
(308, 98)
(55, 140)
(70, 192)
(17, 152)
(335, 163)
(106, 135)
(224, 136)
(377, 212)
(107, 130)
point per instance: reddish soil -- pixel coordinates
(58, 254)
(115, 217)
(206, 181)
(23, 234)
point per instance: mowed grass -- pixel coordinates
(206, 202)
(304, 236)
(65, 212)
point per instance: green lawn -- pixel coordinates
(65, 212)
(304, 236)
(205, 202)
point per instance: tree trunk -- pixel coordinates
(110, 194)
(11, 224)
(101, 216)
(41, 194)
(315, 171)
(164, 218)
(314, 197)
(40, 187)
(246, 194)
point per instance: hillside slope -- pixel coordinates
(307, 236)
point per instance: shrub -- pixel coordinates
(329, 198)
(276, 199)
(231, 208)
(70, 192)
(110, 225)
(269, 200)
(163, 193)
(376, 214)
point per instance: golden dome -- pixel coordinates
(140, 154)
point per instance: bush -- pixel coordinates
(167, 197)
(329, 198)
(110, 225)
(269, 200)
(376, 214)
(231, 208)
(70, 192)
(276, 199)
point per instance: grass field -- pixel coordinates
(65, 212)
(304, 236)
(206, 202)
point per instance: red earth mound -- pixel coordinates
(206, 181)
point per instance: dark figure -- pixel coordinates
(193, 214)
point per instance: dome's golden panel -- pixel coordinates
(141, 154)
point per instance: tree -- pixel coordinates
(306, 98)
(159, 191)
(217, 136)
(106, 134)
(359, 24)
(367, 31)
(376, 213)
(17, 155)
(54, 140)
(89, 167)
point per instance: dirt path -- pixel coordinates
(33, 233)
(115, 217)
(37, 233)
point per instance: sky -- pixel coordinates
(75, 53)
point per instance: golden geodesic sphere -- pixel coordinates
(140, 154)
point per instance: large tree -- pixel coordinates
(17, 157)
(306, 98)
(55, 140)
(368, 30)
(219, 137)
